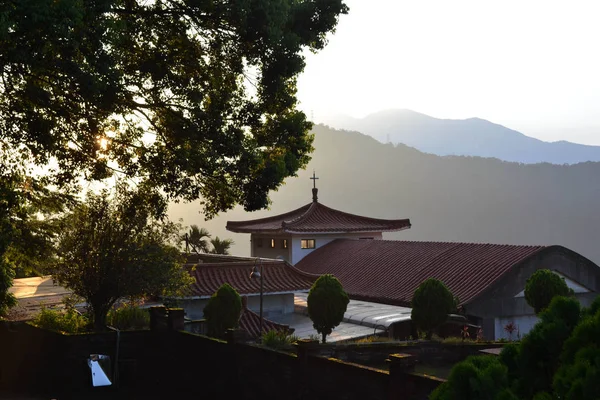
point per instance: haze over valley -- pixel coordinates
(451, 198)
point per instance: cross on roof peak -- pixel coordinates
(314, 179)
(314, 190)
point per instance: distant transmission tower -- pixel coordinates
(388, 138)
(312, 115)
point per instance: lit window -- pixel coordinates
(307, 243)
(284, 244)
(272, 243)
(258, 242)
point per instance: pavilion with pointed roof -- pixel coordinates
(293, 235)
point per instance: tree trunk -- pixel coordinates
(100, 313)
(429, 335)
(324, 336)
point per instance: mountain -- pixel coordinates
(468, 137)
(452, 198)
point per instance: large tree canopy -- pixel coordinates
(198, 98)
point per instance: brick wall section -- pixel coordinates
(173, 364)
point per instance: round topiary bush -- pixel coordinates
(542, 286)
(223, 310)
(327, 303)
(431, 304)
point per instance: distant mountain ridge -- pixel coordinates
(452, 198)
(468, 137)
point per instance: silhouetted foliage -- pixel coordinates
(220, 246)
(542, 286)
(478, 377)
(431, 304)
(540, 349)
(223, 310)
(112, 247)
(327, 303)
(197, 239)
(159, 91)
(578, 377)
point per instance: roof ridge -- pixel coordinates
(301, 217)
(541, 246)
(274, 217)
(348, 214)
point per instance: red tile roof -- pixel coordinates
(390, 271)
(250, 322)
(317, 218)
(278, 276)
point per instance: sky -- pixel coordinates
(533, 66)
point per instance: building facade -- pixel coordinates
(294, 235)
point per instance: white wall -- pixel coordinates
(273, 305)
(266, 251)
(321, 240)
(577, 288)
(524, 324)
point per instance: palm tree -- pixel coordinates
(221, 246)
(197, 238)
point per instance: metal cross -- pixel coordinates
(314, 179)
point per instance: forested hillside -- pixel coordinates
(447, 198)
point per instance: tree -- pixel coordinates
(542, 286)
(197, 238)
(221, 246)
(478, 377)
(113, 247)
(327, 303)
(540, 349)
(26, 228)
(223, 310)
(578, 376)
(431, 304)
(195, 98)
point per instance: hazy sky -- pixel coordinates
(533, 66)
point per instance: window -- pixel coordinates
(284, 244)
(307, 243)
(272, 243)
(258, 242)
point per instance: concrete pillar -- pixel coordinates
(402, 385)
(158, 318)
(175, 319)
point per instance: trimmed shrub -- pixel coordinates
(223, 311)
(431, 304)
(327, 303)
(542, 286)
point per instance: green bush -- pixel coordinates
(69, 321)
(129, 317)
(542, 286)
(478, 377)
(223, 310)
(431, 304)
(278, 339)
(326, 302)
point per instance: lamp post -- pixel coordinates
(258, 274)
